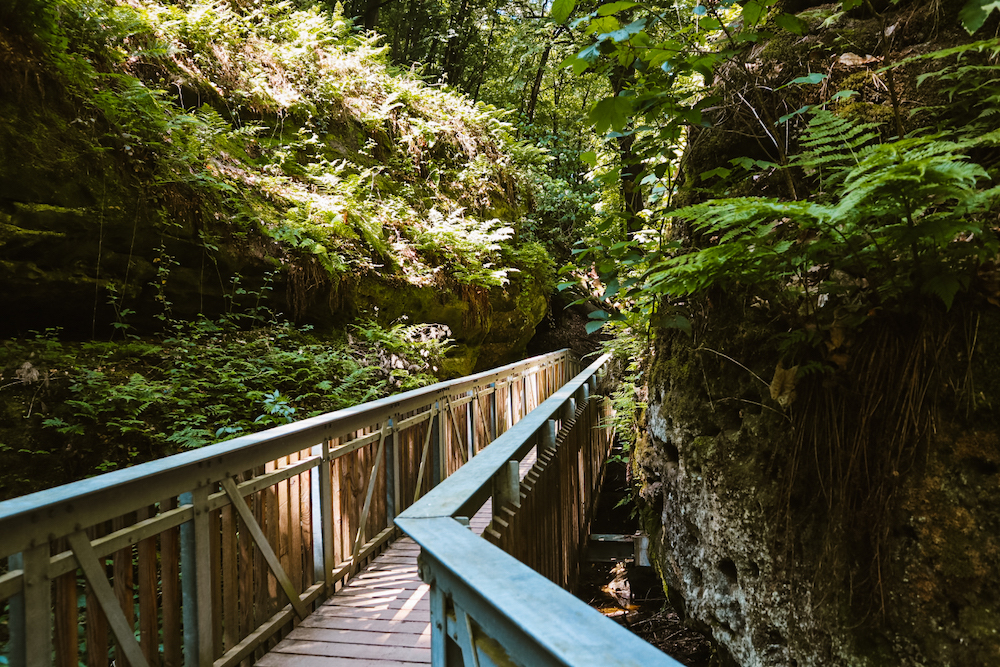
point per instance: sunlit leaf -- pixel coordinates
(613, 7)
(561, 9)
(752, 12)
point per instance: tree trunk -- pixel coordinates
(533, 100)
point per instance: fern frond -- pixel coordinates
(833, 144)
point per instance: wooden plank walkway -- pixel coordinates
(381, 618)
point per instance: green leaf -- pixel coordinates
(752, 11)
(975, 12)
(598, 315)
(813, 78)
(614, 7)
(611, 112)
(841, 94)
(944, 287)
(591, 327)
(625, 33)
(721, 172)
(561, 9)
(566, 285)
(700, 10)
(788, 116)
(792, 24)
(674, 321)
(590, 157)
(851, 4)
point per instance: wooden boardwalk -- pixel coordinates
(381, 618)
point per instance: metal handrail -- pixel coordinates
(30, 526)
(47, 515)
(481, 597)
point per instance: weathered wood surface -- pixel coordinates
(381, 618)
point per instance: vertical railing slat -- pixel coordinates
(170, 558)
(123, 586)
(149, 617)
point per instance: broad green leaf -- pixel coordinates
(851, 4)
(613, 7)
(566, 285)
(611, 112)
(623, 34)
(813, 78)
(841, 94)
(700, 10)
(752, 12)
(673, 321)
(788, 116)
(611, 289)
(591, 327)
(792, 24)
(590, 157)
(561, 9)
(975, 12)
(598, 315)
(602, 25)
(721, 172)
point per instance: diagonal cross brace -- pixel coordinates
(368, 496)
(265, 547)
(96, 577)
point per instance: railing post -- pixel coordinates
(196, 566)
(31, 611)
(494, 422)
(391, 473)
(437, 447)
(470, 429)
(569, 410)
(507, 487)
(322, 517)
(548, 439)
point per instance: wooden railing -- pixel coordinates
(209, 556)
(491, 607)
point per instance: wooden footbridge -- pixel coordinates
(287, 546)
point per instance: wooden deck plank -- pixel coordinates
(362, 637)
(345, 650)
(275, 659)
(380, 618)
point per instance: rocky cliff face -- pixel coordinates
(843, 517)
(762, 549)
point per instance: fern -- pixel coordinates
(833, 144)
(907, 217)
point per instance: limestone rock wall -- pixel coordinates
(747, 538)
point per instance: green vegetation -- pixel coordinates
(74, 409)
(225, 166)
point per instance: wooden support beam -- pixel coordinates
(265, 547)
(94, 572)
(369, 494)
